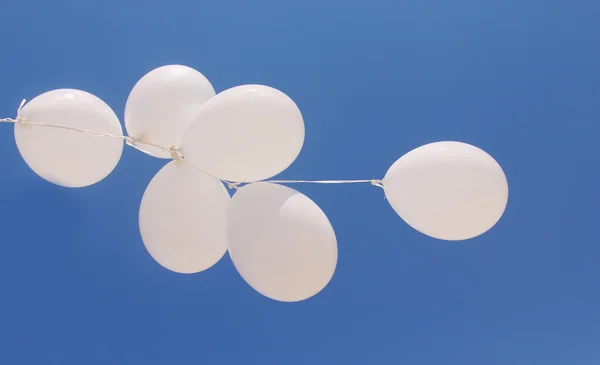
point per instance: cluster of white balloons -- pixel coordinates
(279, 240)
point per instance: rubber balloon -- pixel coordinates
(245, 134)
(280, 241)
(447, 190)
(65, 157)
(182, 218)
(163, 104)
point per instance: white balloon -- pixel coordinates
(447, 190)
(182, 218)
(246, 133)
(163, 104)
(65, 157)
(280, 241)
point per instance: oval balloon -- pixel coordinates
(163, 104)
(245, 134)
(64, 157)
(182, 218)
(280, 241)
(447, 190)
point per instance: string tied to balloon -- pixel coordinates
(374, 182)
(233, 186)
(175, 153)
(130, 141)
(18, 118)
(377, 183)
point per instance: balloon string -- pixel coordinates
(373, 182)
(130, 141)
(175, 153)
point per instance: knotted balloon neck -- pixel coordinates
(377, 183)
(18, 119)
(175, 153)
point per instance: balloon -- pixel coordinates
(280, 241)
(182, 218)
(65, 157)
(163, 104)
(245, 134)
(447, 190)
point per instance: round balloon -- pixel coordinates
(280, 241)
(163, 104)
(447, 190)
(65, 157)
(182, 218)
(245, 134)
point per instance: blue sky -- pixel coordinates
(374, 80)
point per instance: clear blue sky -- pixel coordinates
(374, 80)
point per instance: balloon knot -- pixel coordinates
(378, 183)
(175, 153)
(130, 140)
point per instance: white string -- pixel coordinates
(373, 182)
(175, 153)
(130, 141)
